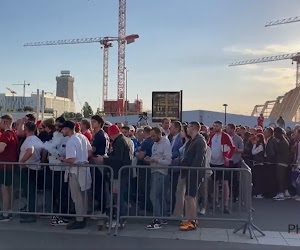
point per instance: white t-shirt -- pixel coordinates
(36, 144)
(77, 147)
(216, 150)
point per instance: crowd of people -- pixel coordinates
(272, 154)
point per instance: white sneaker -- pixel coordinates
(202, 211)
(295, 197)
(259, 196)
(279, 197)
(287, 194)
(298, 199)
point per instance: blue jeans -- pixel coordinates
(159, 188)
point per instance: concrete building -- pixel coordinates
(58, 105)
(64, 85)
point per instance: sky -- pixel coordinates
(183, 45)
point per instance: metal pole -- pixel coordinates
(225, 106)
(126, 101)
(64, 104)
(24, 94)
(38, 106)
(225, 115)
(43, 104)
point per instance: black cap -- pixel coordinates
(68, 124)
(279, 130)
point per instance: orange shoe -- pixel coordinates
(189, 226)
(183, 222)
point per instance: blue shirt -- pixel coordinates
(136, 144)
(100, 142)
(147, 146)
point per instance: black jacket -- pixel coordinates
(271, 151)
(282, 150)
(194, 156)
(119, 155)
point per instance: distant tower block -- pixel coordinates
(64, 85)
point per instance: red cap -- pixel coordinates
(77, 125)
(113, 130)
(38, 123)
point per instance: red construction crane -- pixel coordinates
(105, 43)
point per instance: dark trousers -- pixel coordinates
(257, 179)
(144, 185)
(235, 180)
(29, 179)
(57, 198)
(269, 180)
(124, 195)
(174, 181)
(281, 173)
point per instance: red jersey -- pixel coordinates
(88, 135)
(9, 154)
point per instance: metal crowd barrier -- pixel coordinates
(46, 192)
(134, 192)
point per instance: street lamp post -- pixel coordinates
(126, 97)
(225, 106)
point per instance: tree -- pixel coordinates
(29, 109)
(98, 112)
(78, 116)
(87, 110)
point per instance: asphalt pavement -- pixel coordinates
(41, 240)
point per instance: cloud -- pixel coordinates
(272, 49)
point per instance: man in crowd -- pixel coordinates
(126, 133)
(118, 157)
(176, 144)
(194, 156)
(8, 153)
(56, 188)
(236, 158)
(260, 120)
(85, 126)
(78, 149)
(133, 138)
(222, 149)
(165, 125)
(26, 118)
(30, 153)
(145, 174)
(269, 169)
(282, 149)
(139, 136)
(161, 156)
(241, 131)
(106, 125)
(100, 145)
(281, 122)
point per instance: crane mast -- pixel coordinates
(106, 43)
(283, 21)
(121, 49)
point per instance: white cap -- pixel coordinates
(107, 124)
